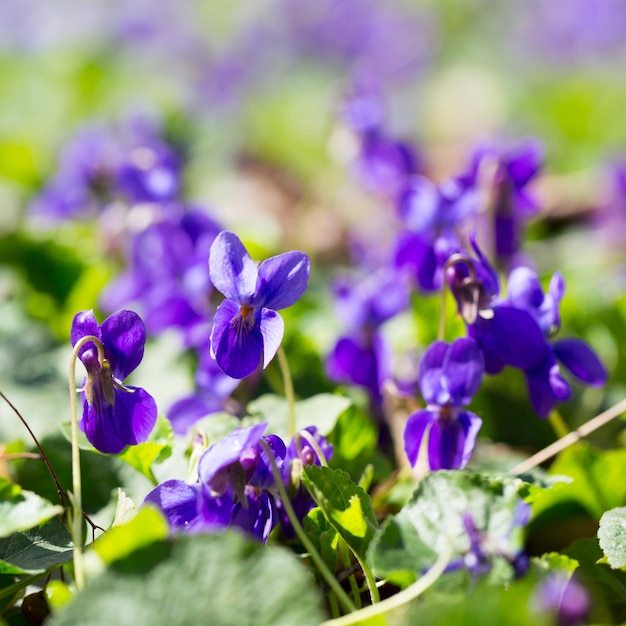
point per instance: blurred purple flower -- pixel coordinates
(545, 383)
(562, 595)
(114, 415)
(449, 376)
(361, 356)
(246, 327)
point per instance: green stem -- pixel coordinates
(289, 394)
(403, 597)
(328, 576)
(558, 446)
(354, 588)
(558, 424)
(441, 332)
(76, 497)
(371, 580)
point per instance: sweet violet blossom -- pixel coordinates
(235, 487)
(506, 334)
(449, 376)
(545, 383)
(246, 328)
(114, 415)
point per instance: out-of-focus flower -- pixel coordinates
(114, 415)
(449, 376)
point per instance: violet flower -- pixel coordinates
(114, 415)
(449, 376)
(432, 215)
(235, 487)
(361, 355)
(246, 328)
(545, 383)
(506, 334)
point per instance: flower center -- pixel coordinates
(245, 310)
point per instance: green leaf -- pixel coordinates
(38, 549)
(220, 579)
(147, 527)
(323, 535)
(344, 504)
(158, 448)
(322, 410)
(355, 442)
(20, 510)
(432, 522)
(612, 537)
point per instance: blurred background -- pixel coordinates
(240, 105)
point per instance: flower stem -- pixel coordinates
(288, 384)
(328, 576)
(76, 498)
(558, 424)
(572, 437)
(354, 588)
(397, 600)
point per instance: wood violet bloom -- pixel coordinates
(246, 328)
(449, 376)
(114, 415)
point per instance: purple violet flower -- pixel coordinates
(561, 594)
(235, 487)
(114, 416)
(545, 383)
(361, 356)
(506, 334)
(246, 328)
(449, 376)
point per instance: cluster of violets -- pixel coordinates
(241, 479)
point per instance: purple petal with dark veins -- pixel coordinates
(452, 439)
(129, 421)
(546, 386)
(236, 343)
(282, 280)
(231, 269)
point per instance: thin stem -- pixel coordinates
(572, 437)
(76, 497)
(441, 332)
(558, 424)
(289, 394)
(328, 576)
(43, 455)
(371, 580)
(354, 588)
(403, 597)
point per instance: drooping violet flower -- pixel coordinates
(545, 383)
(235, 487)
(114, 415)
(246, 328)
(513, 204)
(506, 334)
(432, 216)
(449, 376)
(167, 276)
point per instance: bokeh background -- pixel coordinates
(250, 94)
